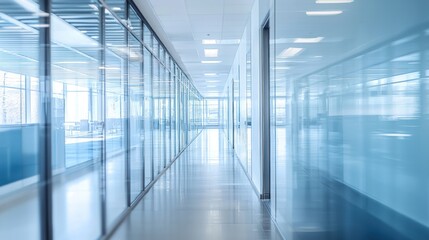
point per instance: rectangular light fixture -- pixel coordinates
(210, 62)
(281, 68)
(290, 52)
(211, 52)
(209, 41)
(308, 40)
(323, 13)
(12, 27)
(229, 41)
(221, 42)
(110, 68)
(72, 62)
(39, 25)
(334, 1)
(210, 74)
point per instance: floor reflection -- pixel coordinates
(204, 195)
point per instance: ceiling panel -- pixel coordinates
(187, 22)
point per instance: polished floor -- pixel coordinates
(204, 195)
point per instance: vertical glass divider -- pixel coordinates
(103, 166)
(142, 82)
(127, 113)
(45, 136)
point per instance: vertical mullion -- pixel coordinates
(142, 79)
(164, 110)
(103, 184)
(127, 115)
(266, 113)
(151, 116)
(45, 137)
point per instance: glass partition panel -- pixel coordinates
(147, 37)
(163, 116)
(351, 120)
(157, 157)
(77, 119)
(117, 7)
(148, 118)
(136, 98)
(134, 22)
(21, 117)
(116, 119)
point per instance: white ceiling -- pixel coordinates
(187, 22)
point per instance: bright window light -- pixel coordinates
(209, 41)
(308, 40)
(323, 13)
(334, 1)
(290, 52)
(210, 62)
(116, 9)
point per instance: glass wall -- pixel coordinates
(351, 119)
(348, 116)
(92, 109)
(234, 108)
(22, 142)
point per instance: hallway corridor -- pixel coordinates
(204, 195)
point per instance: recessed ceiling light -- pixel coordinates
(72, 62)
(210, 74)
(12, 27)
(211, 52)
(210, 62)
(334, 1)
(221, 42)
(308, 40)
(323, 13)
(229, 41)
(209, 41)
(281, 68)
(116, 9)
(109, 68)
(290, 52)
(39, 25)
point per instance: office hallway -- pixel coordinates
(204, 195)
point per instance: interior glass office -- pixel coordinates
(92, 109)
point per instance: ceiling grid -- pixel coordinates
(187, 23)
